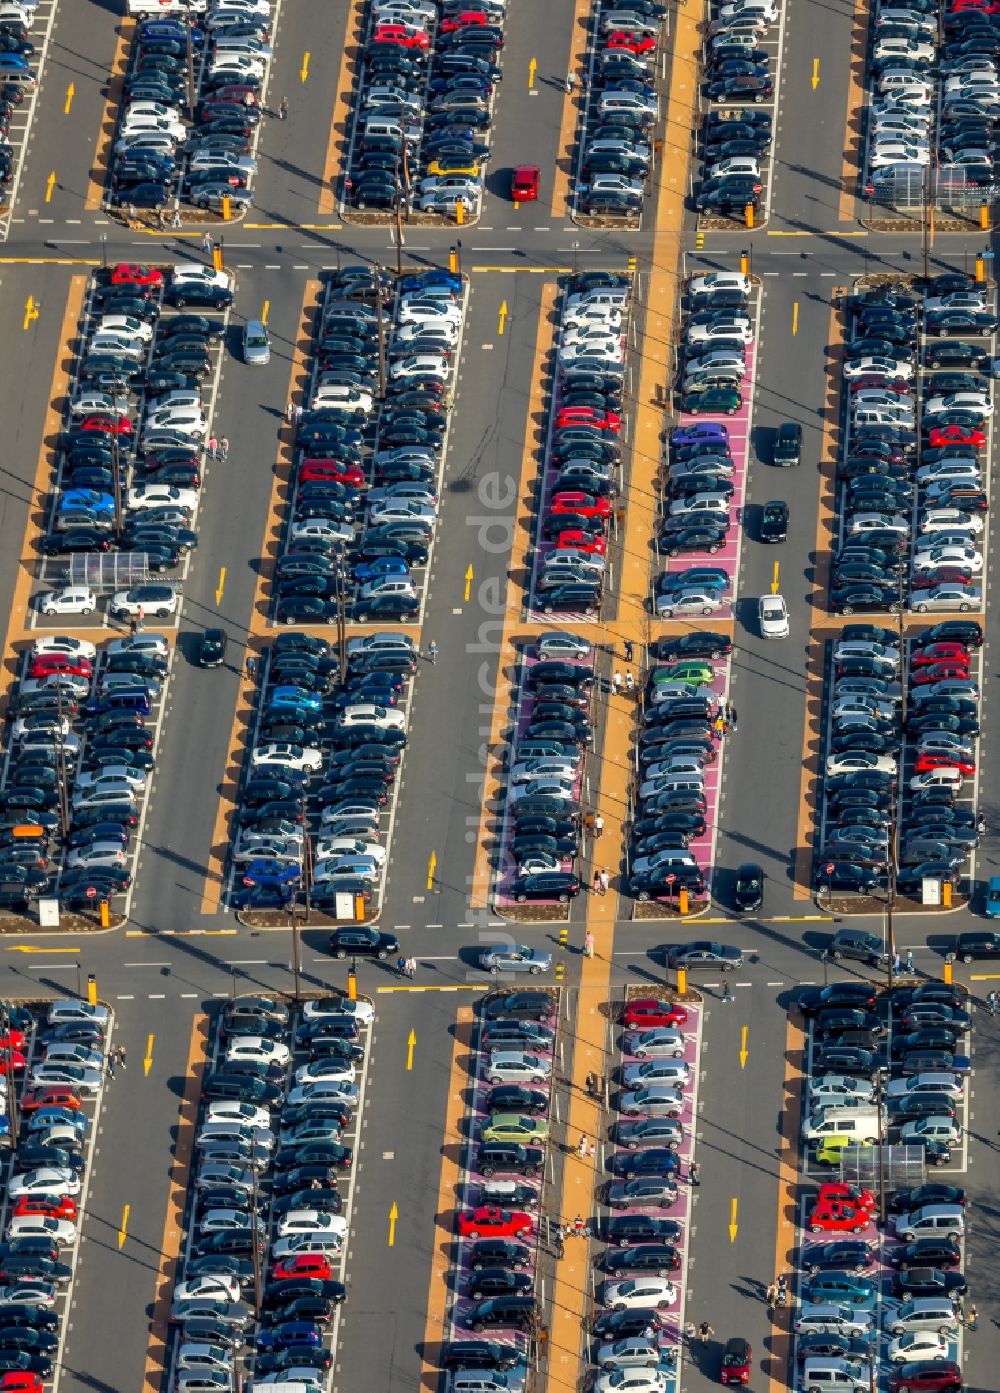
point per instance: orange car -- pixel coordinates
(52, 1096)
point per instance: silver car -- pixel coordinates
(658, 1101)
(650, 1131)
(661, 1042)
(518, 957)
(922, 1313)
(832, 1320)
(256, 343)
(637, 1352)
(558, 644)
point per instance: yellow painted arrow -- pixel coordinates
(532, 69)
(795, 317)
(27, 948)
(305, 66)
(70, 94)
(393, 1216)
(733, 1225)
(815, 76)
(221, 585)
(744, 1052)
(503, 316)
(431, 868)
(774, 580)
(123, 1231)
(50, 184)
(468, 581)
(147, 1063)
(411, 1041)
(265, 311)
(30, 311)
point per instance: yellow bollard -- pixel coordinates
(105, 914)
(980, 269)
(748, 212)
(91, 989)
(217, 258)
(744, 263)
(460, 211)
(453, 260)
(984, 216)
(227, 207)
(352, 986)
(682, 981)
(949, 972)
(683, 900)
(946, 894)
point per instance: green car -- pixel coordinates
(843, 1288)
(713, 401)
(698, 674)
(512, 1126)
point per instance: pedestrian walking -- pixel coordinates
(719, 726)
(705, 1332)
(176, 220)
(671, 1357)
(111, 1065)
(629, 650)
(224, 449)
(283, 109)
(298, 413)
(132, 627)
(121, 1055)
(598, 827)
(588, 944)
(411, 968)
(401, 966)
(290, 412)
(212, 447)
(251, 668)
(560, 1242)
(733, 719)
(769, 1297)
(981, 824)
(727, 994)
(605, 881)
(616, 683)
(592, 1085)
(581, 1147)
(598, 888)
(897, 963)
(140, 619)
(694, 1173)
(206, 243)
(432, 651)
(579, 1228)
(972, 1319)
(782, 1290)
(690, 1331)
(960, 1308)
(570, 81)
(629, 681)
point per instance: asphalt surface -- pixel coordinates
(173, 960)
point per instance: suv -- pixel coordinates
(862, 947)
(504, 1156)
(527, 1006)
(516, 1312)
(160, 600)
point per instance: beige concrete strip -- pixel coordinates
(854, 133)
(298, 381)
(572, 106)
(776, 1363)
(109, 117)
(340, 124)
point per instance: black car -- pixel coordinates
(848, 1254)
(622, 1325)
(498, 1281)
(515, 1312)
(831, 1347)
(929, 1281)
(838, 994)
(516, 1098)
(943, 1252)
(623, 1230)
(699, 643)
(661, 1258)
(479, 1354)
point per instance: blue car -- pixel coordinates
(171, 29)
(381, 566)
(101, 503)
(704, 430)
(436, 277)
(272, 874)
(992, 906)
(43, 1118)
(709, 577)
(289, 1332)
(294, 696)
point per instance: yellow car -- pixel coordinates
(471, 171)
(829, 1151)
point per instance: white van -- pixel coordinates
(860, 1124)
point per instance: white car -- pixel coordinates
(283, 754)
(340, 1089)
(688, 600)
(860, 761)
(878, 522)
(325, 1071)
(823, 1319)
(728, 329)
(46, 1180)
(125, 603)
(327, 1006)
(341, 397)
(419, 310)
(934, 1313)
(948, 596)
(259, 1050)
(144, 496)
(98, 854)
(950, 519)
(197, 273)
(64, 645)
(656, 1292)
(937, 778)
(92, 778)
(919, 1344)
(71, 599)
(368, 713)
(830, 1089)
(631, 1381)
(71, 1075)
(185, 420)
(658, 1042)
(72, 1012)
(943, 1129)
(128, 324)
(60, 1231)
(420, 365)
(325, 847)
(402, 510)
(916, 1084)
(960, 401)
(417, 12)
(967, 557)
(773, 615)
(212, 1286)
(312, 1221)
(720, 280)
(605, 317)
(881, 367)
(232, 1110)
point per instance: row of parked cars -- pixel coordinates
(56, 1063)
(424, 105)
(80, 749)
(18, 82)
(884, 1069)
(370, 447)
(262, 1270)
(880, 764)
(913, 506)
(321, 770)
(581, 475)
(934, 64)
(620, 108)
(165, 153)
(129, 467)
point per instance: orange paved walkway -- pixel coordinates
(776, 1364)
(566, 149)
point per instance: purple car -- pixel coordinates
(704, 430)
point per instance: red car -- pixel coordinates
(13, 1041)
(303, 1266)
(736, 1361)
(46, 664)
(524, 183)
(460, 21)
(15, 1062)
(901, 389)
(958, 435)
(941, 575)
(588, 416)
(587, 542)
(109, 425)
(52, 1096)
(21, 1383)
(922, 1376)
(492, 1222)
(944, 651)
(649, 1011)
(329, 471)
(838, 1216)
(936, 672)
(132, 273)
(62, 1208)
(582, 503)
(401, 34)
(841, 1190)
(635, 43)
(926, 762)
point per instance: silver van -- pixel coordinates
(256, 343)
(931, 1221)
(485, 1381)
(836, 1376)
